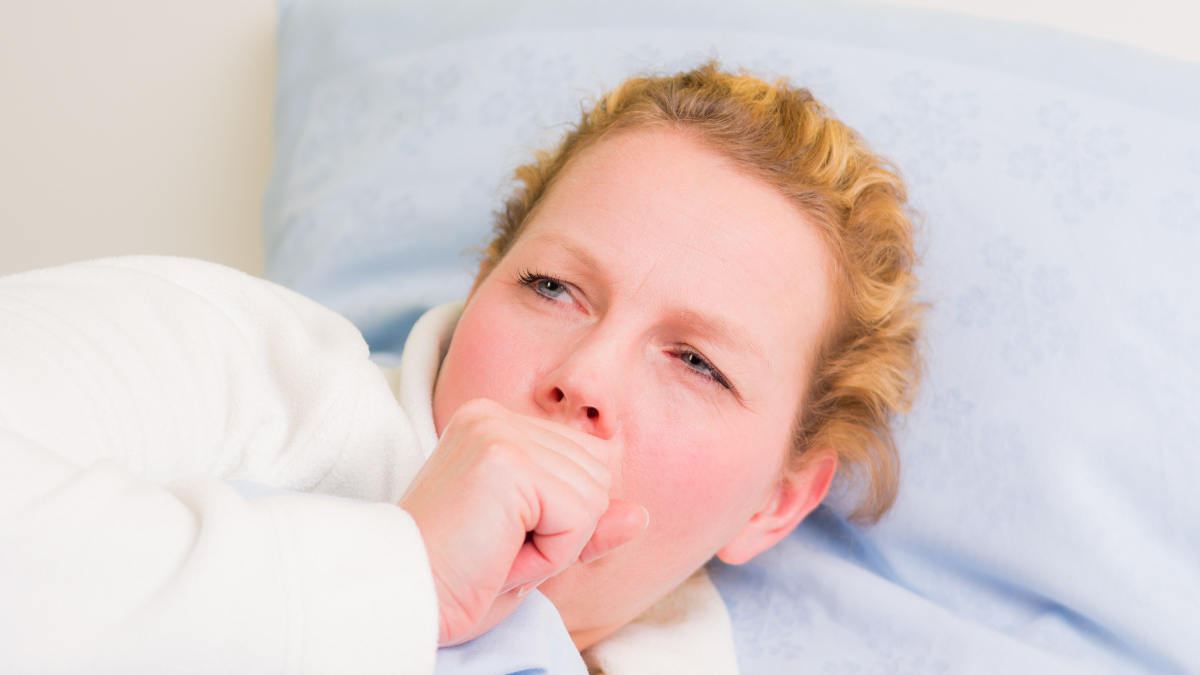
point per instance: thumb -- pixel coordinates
(620, 523)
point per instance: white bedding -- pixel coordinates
(130, 388)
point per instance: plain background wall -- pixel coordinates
(133, 126)
(143, 126)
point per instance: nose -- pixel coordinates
(580, 392)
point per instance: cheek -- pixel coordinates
(701, 481)
(491, 356)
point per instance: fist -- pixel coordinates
(505, 502)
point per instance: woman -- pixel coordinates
(694, 312)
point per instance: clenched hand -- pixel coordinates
(506, 502)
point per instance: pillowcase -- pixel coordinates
(1048, 519)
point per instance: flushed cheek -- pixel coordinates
(699, 494)
(490, 358)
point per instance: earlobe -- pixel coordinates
(793, 498)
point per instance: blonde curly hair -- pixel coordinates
(868, 367)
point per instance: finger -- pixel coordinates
(531, 564)
(553, 452)
(592, 486)
(587, 451)
(483, 408)
(567, 447)
(533, 561)
(560, 523)
(594, 446)
(621, 523)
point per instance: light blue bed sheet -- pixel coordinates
(531, 641)
(1049, 515)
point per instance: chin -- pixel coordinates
(591, 599)
(596, 600)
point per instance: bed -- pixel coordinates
(1049, 516)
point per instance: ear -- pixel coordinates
(792, 499)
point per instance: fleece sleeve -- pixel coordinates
(128, 391)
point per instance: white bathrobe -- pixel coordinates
(132, 389)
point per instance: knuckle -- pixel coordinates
(486, 406)
(494, 447)
(596, 503)
(500, 452)
(603, 474)
(487, 428)
(476, 409)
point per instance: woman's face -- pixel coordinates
(670, 304)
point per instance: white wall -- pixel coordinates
(133, 126)
(1168, 27)
(143, 126)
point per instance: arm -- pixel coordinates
(101, 570)
(124, 380)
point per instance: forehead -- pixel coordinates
(666, 186)
(674, 226)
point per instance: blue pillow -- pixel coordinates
(1048, 519)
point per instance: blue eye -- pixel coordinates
(704, 368)
(697, 363)
(545, 286)
(549, 288)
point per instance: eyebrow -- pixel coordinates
(580, 253)
(721, 330)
